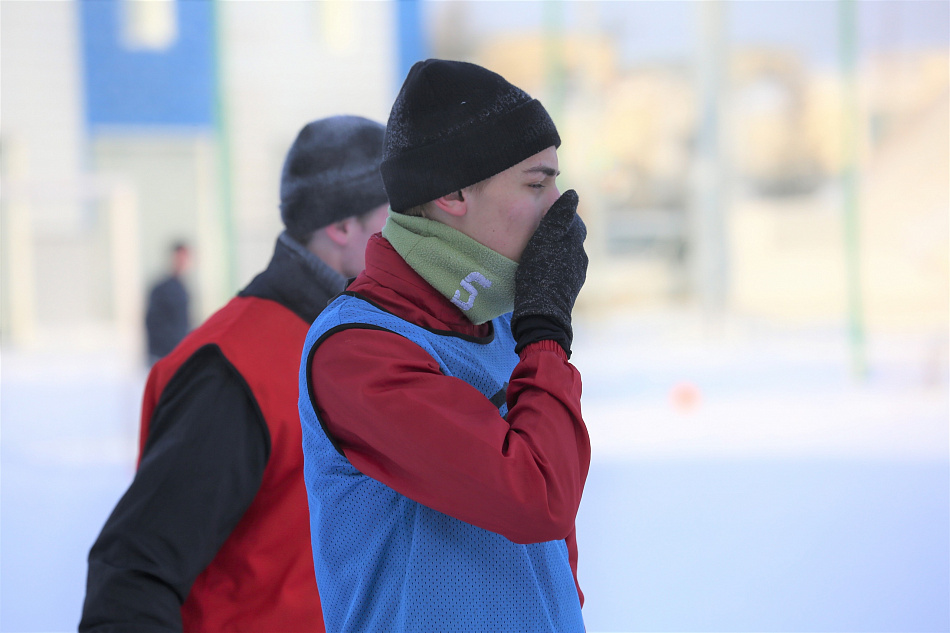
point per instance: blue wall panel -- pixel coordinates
(413, 45)
(173, 86)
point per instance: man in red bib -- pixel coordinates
(213, 533)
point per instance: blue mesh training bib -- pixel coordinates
(386, 563)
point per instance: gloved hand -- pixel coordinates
(552, 270)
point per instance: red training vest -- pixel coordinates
(262, 578)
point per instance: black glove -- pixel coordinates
(552, 270)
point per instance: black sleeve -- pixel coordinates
(202, 465)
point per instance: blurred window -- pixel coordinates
(149, 24)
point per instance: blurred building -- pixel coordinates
(127, 124)
(631, 133)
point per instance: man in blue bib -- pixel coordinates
(445, 453)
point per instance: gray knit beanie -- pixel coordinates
(331, 173)
(454, 124)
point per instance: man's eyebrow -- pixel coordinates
(542, 169)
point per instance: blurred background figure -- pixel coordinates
(167, 318)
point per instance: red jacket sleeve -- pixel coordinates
(438, 441)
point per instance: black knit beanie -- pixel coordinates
(455, 124)
(331, 173)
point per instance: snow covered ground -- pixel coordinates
(742, 480)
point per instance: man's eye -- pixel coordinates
(537, 185)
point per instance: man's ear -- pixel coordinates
(454, 203)
(340, 232)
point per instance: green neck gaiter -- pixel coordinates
(479, 281)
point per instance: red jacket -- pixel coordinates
(262, 578)
(439, 442)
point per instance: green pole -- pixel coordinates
(708, 235)
(849, 184)
(554, 57)
(224, 156)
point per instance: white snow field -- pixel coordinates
(741, 480)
